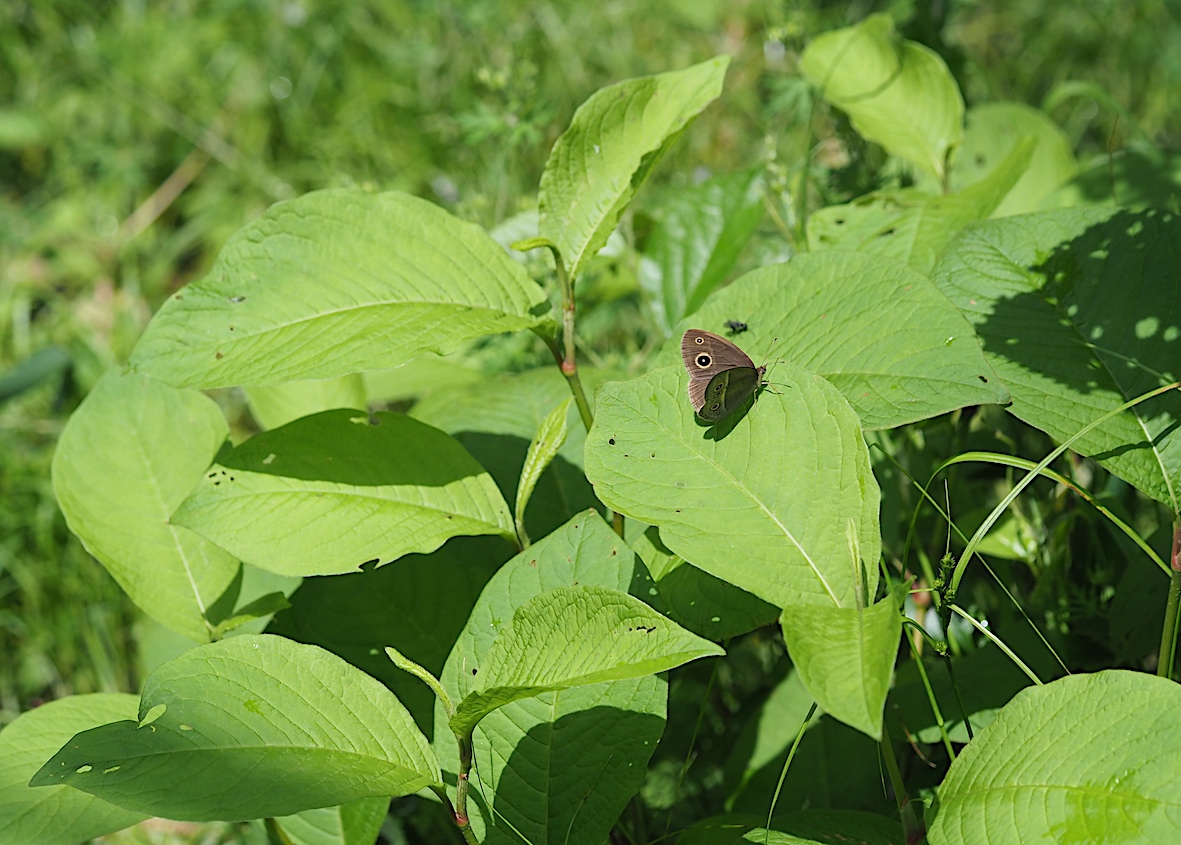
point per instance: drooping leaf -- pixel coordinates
(882, 333)
(254, 726)
(576, 636)
(1099, 759)
(534, 764)
(551, 436)
(761, 499)
(128, 456)
(326, 493)
(845, 656)
(613, 141)
(1078, 312)
(897, 93)
(911, 226)
(56, 815)
(337, 282)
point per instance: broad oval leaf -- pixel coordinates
(1079, 311)
(126, 459)
(845, 656)
(761, 499)
(879, 331)
(1087, 758)
(538, 776)
(614, 140)
(326, 493)
(337, 282)
(56, 815)
(897, 93)
(254, 726)
(576, 636)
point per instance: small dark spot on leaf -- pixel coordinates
(626, 455)
(983, 379)
(474, 671)
(237, 299)
(654, 454)
(611, 440)
(678, 510)
(219, 356)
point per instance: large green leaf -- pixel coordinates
(696, 240)
(614, 140)
(763, 499)
(910, 225)
(1079, 311)
(879, 331)
(897, 93)
(767, 737)
(845, 656)
(128, 456)
(57, 815)
(279, 404)
(1087, 758)
(326, 493)
(254, 726)
(575, 636)
(337, 282)
(534, 763)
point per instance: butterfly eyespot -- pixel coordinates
(699, 340)
(715, 406)
(703, 360)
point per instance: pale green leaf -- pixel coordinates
(696, 240)
(883, 334)
(326, 493)
(551, 436)
(337, 282)
(279, 404)
(254, 726)
(355, 823)
(128, 456)
(1136, 177)
(1078, 312)
(897, 93)
(533, 763)
(56, 815)
(845, 656)
(1087, 758)
(760, 499)
(910, 226)
(614, 140)
(419, 377)
(576, 636)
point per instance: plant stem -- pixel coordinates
(912, 828)
(1168, 640)
(459, 813)
(465, 829)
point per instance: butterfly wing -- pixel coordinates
(707, 355)
(726, 392)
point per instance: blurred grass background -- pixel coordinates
(136, 136)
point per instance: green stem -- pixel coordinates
(911, 827)
(465, 829)
(462, 820)
(1167, 655)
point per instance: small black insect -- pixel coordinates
(735, 327)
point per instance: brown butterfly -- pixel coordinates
(721, 376)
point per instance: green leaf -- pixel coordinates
(280, 404)
(326, 493)
(897, 93)
(355, 823)
(993, 131)
(254, 726)
(760, 499)
(576, 636)
(57, 815)
(337, 282)
(614, 140)
(551, 436)
(1099, 760)
(533, 762)
(766, 738)
(879, 331)
(128, 456)
(1138, 177)
(694, 599)
(418, 604)
(419, 377)
(45, 364)
(696, 241)
(495, 421)
(845, 656)
(911, 226)
(1077, 312)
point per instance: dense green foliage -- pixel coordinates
(136, 140)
